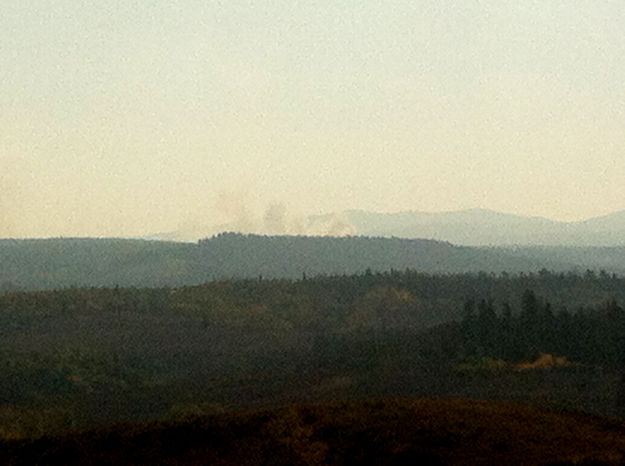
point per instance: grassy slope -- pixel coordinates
(393, 431)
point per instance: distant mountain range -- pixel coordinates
(472, 227)
(480, 227)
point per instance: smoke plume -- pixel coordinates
(276, 220)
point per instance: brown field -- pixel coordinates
(392, 431)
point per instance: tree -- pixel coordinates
(469, 326)
(528, 323)
(487, 324)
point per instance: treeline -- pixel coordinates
(592, 335)
(401, 299)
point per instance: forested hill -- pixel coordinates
(59, 263)
(291, 256)
(86, 357)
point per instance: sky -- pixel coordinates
(132, 117)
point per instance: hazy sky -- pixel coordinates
(129, 117)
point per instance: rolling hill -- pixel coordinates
(60, 263)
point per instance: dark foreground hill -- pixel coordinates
(393, 431)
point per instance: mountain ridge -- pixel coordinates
(61, 263)
(483, 227)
